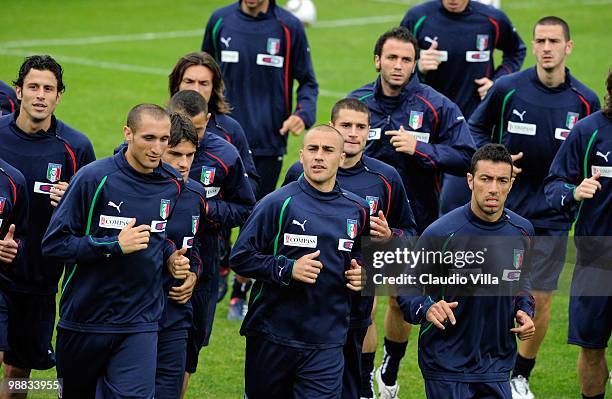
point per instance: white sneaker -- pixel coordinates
(386, 391)
(610, 377)
(520, 388)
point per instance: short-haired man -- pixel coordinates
(580, 184)
(184, 230)
(110, 231)
(260, 40)
(466, 344)
(218, 167)
(458, 39)
(390, 215)
(437, 141)
(300, 244)
(531, 113)
(8, 99)
(48, 153)
(200, 72)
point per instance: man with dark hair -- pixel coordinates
(471, 350)
(48, 153)
(8, 99)
(260, 40)
(300, 244)
(390, 215)
(580, 185)
(218, 167)
(184, 229)
(200, 72)
(438, 141)
(110, 231)
(458, 39)
(531, 113)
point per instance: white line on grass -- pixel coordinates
(357, 21)
(77, 41)
(115, 66)
(147, 36)
(524, 5)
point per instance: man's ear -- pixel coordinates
(128, 134)
(470, 181)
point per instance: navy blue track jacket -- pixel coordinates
(260, 57)
(382, 188)
(217, 165)
(526, 116)
(104, 290)
(285, 225)
(13, 210)
(469, 39)
(228, 128)
(480, 346)
(8, 99)
(230, 199)
(44, 158)
(185, 229)
(586, 150)
(444, 143)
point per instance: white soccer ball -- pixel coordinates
(304, 10)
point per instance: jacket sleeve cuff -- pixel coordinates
(103, 247)
(284, 270)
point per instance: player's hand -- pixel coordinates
(355, 276)
(178, 264)
(8, 246)
(307, 269)
(515, 169)
(430, 59)
(293, 124)
(182, 293)
(588, 187)
(402, 141)
(379, 228)
(526, 328)
(441, 311)
(57, 192)
(133, 239)
(484, 86)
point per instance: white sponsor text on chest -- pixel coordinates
(300, 240)
(605, 171)
(528, 129)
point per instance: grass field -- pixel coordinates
(117, 53)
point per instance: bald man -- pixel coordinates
(300, 244)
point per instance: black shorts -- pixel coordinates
(171, 353)
(4, 318)
(106, 365)
(204, 302)
(548, 257)
(590, 321)
(30, 331)
(460, 390)
(277, 371)
(351, 378)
